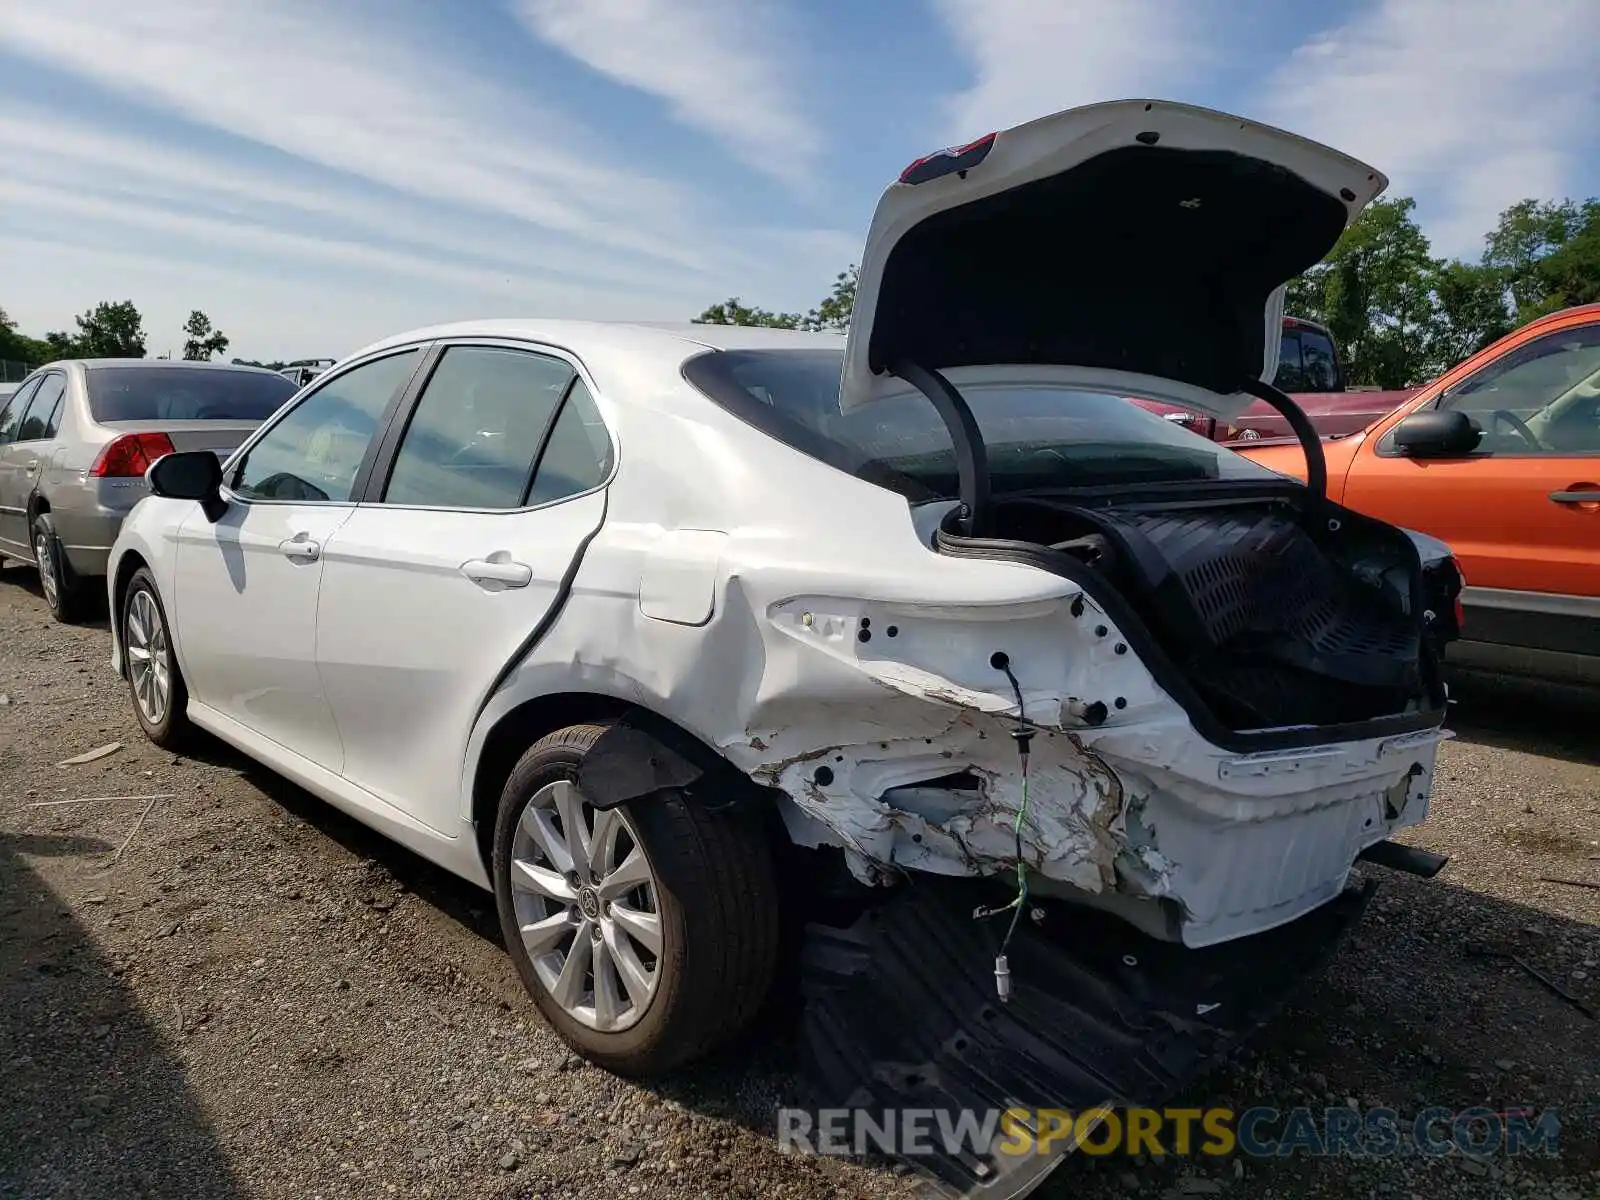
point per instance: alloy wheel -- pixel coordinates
(148, 666)
(587, 907)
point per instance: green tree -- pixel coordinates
(1374, 291)
(1470, 311)
(834, 313)
(201, 340)
(19, 347)
(111, 329)
(734, 311)
(1527, 233)
(1570, 273)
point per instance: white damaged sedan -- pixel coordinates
(625, 622)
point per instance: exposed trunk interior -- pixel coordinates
(1275, 613)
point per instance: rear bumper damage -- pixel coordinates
(1183, 840)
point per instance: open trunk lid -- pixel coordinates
(1128, 242)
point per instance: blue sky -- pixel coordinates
(316, 174)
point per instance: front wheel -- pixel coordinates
(160, 698)
(646, 934)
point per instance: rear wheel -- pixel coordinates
(160, 699)
(63, 591)
(646, 934)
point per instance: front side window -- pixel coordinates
(315, 452)
(40, 411)
(1542, 398)
(11, 412)
(477, 429)
(1036, 436)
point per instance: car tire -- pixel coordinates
(147, 639)
(63, 591)
(712, 887)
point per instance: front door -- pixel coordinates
(1522, 513)
(437, 583)
(245, 588)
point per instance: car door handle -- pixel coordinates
(302, 548)
(504, 572)
(1585, 496)
(33, 465)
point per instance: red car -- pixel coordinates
(1309, 369)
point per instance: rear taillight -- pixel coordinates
(130, 455)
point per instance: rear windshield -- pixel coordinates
(1036, 437)
(152, 393)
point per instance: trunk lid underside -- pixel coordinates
(1134, 240)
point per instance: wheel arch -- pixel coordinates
(127, 565)
(518, 728)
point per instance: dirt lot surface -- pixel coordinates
(233, 991)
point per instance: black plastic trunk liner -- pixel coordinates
(901, 1013)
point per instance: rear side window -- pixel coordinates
(578, 454)
(42, 411)
(476, 432)
(158, 393)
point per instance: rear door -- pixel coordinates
(1523, 512)
(480, 503)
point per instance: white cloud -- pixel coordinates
(1469, 105)
(43, 148)
(325, 155)
(357, 96)
(722, 66)
(276, 277)
(1035, 57)
(306, 321)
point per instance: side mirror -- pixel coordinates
(1447, 434)
(189, 475)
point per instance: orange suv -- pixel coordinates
(1499, 457)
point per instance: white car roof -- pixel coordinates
(603, 339)
(634, 361)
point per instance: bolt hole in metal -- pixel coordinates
(588, 908)
(147, 657)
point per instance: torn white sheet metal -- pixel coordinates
(1145, 806)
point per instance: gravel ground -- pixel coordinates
(234, 991)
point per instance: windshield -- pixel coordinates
(1036, 436)
(153, 393)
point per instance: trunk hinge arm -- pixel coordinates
(972, 457)
(1310, 440)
